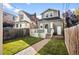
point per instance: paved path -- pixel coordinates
(32, 50)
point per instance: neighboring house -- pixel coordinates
(25, 20)
(51, 20)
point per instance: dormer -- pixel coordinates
(50, 13)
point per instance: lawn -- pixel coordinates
(13, 46)
(54, 47)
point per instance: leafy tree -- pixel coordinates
(76, 11)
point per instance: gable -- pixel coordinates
(24, 17)
(49, 10)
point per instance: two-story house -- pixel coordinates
(51, 20)
(25, 20)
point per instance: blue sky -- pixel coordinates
(39, 7)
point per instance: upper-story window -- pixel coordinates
(21, 16)
(16, 25)
(47, 15)
(51, 15)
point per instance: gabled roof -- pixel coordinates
(31, 16)
(49, 10)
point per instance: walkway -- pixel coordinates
(32, 50)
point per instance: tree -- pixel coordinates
(76, 11)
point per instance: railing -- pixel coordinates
(72, 39)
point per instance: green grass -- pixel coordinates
(13, 46)
(54, 47)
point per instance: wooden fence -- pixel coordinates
(15, 33)
(72, 40)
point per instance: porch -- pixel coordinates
(45, 33)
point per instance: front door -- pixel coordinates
(48, 29)
(59, 30)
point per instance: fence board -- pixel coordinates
(15, 33)
(72, 39)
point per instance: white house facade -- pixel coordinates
(24, 20)
(51, 20)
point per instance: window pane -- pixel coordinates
(16, 25)
(20, 25)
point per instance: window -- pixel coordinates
(46, 26)
(51, 15)
(21, 16)
(41, 26)
(47, 15)
(16, 25)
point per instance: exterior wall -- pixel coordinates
(41, 33)
(51, 24)
(58, 24)
(25, 18)
(22, 25)
(16, 19)
(44, 22)
(25, 22)
(54, 14)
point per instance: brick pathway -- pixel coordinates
(32, 50)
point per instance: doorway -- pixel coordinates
(59, 30)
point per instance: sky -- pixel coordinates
(38, 8)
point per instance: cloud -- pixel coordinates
(28, 3)
(39, 16)
(72, 9)
(16, 10)
(7, 5)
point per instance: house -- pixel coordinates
(51, 20)
(25, 20)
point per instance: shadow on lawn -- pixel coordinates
(29, 40)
